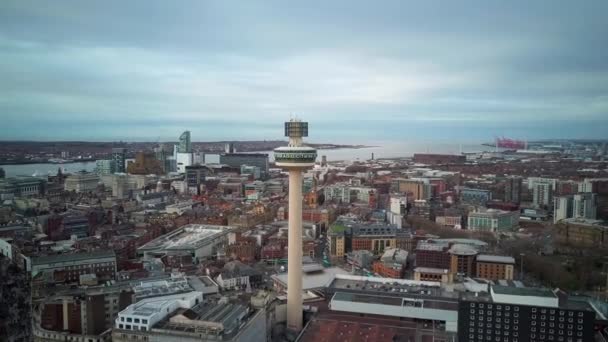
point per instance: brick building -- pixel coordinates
(494, 267)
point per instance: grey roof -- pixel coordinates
(52, 259)
(496, 258)
(523, 291)
(238, 269)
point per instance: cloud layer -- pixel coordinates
(355, 70)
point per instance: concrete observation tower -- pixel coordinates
(295, 158)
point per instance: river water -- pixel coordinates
(386, 150)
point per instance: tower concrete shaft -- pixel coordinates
(294, 259)
(295, 158)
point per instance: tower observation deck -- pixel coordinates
(295, 155)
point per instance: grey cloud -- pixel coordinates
(397, 61)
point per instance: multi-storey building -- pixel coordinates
(477, 197)
(195, 177)
(392, 264)
(81, 182)
(105, 167)
(21, 186)
(494, 267)
(414, 189)
(235, 160)
(493, 220)
(433, 255)
(82, 315)
(542, 194)
(462, 259)
(585, 206)
(513, 188)
(583, 233)
(69, 267)
(347, 193)
(523, 315)
(374, 237)
(563, 208)
(145, 164)
(185, 317)
(119, 156)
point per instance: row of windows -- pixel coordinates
(533, 339)
(498, 306)
(129, 327)
(133, 320)
(497, 313)
(552, 318)
(494, 332)
(133, 337)
(480, 322)
(553, 311)
(560, 332)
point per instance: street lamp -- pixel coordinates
(521, 266)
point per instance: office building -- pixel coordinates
(542, 194)
(532, 181)
(476, 197)
(21, 186)
(119, 156)
(374, 237)
(513, 188)
(183, 160)
(254, 172)
(229, 147)
(585, 206)
(346, 193)
(201, 241)
(160, 153)
(235, 160)
(493, 220)
(69, 267)
(186, 317)
(392, 264)
(432, 254)
(441, 275)
(360, 259)
(523, 315)
(183, 153)
(81, 315)
(414, 189)
(145, 164)
(295, 158)
(582, 233)
(104, 167)
(462, 260)
(563, 208)
(81, 182)
(185, 145)
(494, 267)
(195, 178)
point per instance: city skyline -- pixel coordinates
(467, 71)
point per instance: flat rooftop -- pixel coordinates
(72, 257)
(191, 236)
(391, 287)
(156, 288)
(523, 291)
(496, 259)
(313, 280)
(426, 303)
(150, 306)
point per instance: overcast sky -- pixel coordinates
(137, 70)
